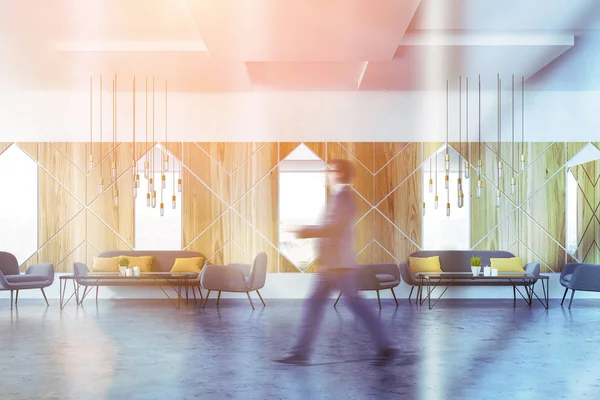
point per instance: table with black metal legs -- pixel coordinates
(447, 279)
(90, 280)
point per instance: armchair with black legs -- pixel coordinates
(239, 278)
(37, 276)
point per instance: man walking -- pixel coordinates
(338, 263)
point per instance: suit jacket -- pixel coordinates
(335, 233)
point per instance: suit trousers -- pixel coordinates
(344, 280)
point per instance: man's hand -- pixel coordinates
(299, 231)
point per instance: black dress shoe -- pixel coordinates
(384, 356)
(294, 359)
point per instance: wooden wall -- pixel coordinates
(230, 200)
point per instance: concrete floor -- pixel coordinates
(146, 349)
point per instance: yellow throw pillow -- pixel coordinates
(513, 264)
(103, 264)
(192, 264)
(144, 262)
(425, 264)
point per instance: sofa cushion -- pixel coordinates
(507, 264)
(460, 260)
(163, 259)
(190, 264)
(25, 278)
(106, 264)
(142, 261)
(425, 264)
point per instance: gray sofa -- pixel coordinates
(460, 261)
(37, 276)
(163, 262)
(576, 276)
(377, 277)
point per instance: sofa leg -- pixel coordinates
(338, 299)
(564, 295)
(379, 299)
(571, 302)
(218, 298)
(410, 294)
(248, 294)
(17, 297)
(261, 299)
(515, 296)
(395, 299)
(97, 287)
(45, 298)
(206, 300)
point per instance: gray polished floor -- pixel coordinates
(146, 349)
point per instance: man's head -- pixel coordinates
(340, 171)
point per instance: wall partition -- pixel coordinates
(237, 200)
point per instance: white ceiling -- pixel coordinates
(265, 45)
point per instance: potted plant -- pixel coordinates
(475, 265)
(123, 264)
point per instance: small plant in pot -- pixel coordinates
(475, 265)
(123, 264)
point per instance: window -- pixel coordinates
(18, 204)
(439, 231)
(302, 200)
(153, 232)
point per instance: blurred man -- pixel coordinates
(338, 264)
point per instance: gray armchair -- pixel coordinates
(584, 277)
(377, 277)
(240, 278)
(37, 276)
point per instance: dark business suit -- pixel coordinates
(338, 271)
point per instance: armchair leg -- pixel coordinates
(17, 297)
(206, 300)
(410, 294)
(564, 295)
(194, 293)
(515, 296)
(248, 294)
(571, 302)
(97, 295)
(218, 298)
(395, 299)
(261, 299)
(45, 298)
(11, 299)
(200, 291)
(379, 299)
(338, 299)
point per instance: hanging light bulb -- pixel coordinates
(100, 186)
(179, 185)
(134, 184)
(459, 185)
(151, 184)
(479, 167)
(522, 162)
(479, 184)
(499, 169)
(154, 199)
(148, 199)
(174, 202)
(430, 185)
(436, 203)
(461, 199)
(423, 208)
(146, 170)
(116, 198)
(166, 166)
(447, 162)
(91, 162)
(163, 182)
(137, 180)
(447, 209)
(162, 209)
(513, 184)
(447, 181)
(467, 167)
(113, 170)
(498, 198)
